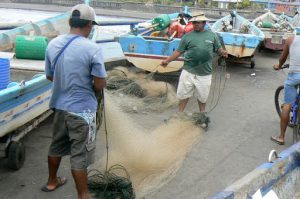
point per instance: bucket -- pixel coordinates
(4, 73)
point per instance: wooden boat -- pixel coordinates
(25, 101)
(149, 43)
(276, 30)
(239, 37)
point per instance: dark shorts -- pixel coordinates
(70, 137)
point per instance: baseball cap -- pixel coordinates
(85, 12)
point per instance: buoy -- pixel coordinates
(176, 27)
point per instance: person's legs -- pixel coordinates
(201, 106)
(185, 89)
(202, 84)
(53, 165)
(59, 147)
(284, 120)
(290, 94)
(182, 104)
(79, 131)
(80, 178)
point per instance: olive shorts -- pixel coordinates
(70, 137)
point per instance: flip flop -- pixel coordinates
(61, 181)
(275, 139)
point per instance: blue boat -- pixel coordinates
(25, 93)
(147, 44)
(239, 36)
(276, 179)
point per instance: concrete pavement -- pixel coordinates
(238, 140)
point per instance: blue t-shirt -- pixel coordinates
(73, 73)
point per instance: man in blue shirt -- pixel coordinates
(76, 67)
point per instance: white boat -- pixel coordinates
(25, 101)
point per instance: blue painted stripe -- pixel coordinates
(13, 102)
(4, 122)
(224, 195)
(16, 91)
(244, 40)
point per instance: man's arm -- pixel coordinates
(173, 57)
(99, 84)
(50, 78)
(222, 52)
(284, 54)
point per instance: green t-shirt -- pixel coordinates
(199, 48)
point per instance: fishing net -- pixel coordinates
(139, 92)
(150, 157)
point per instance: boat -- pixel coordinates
(285, 17)
(239, 37)
(148, 43)
(277, 178)
(25, 91)
(296, 20)
(276, 30)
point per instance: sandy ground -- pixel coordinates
(238, 140)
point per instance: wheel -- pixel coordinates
(279, 96)
(279, 100)
(252, 64)
(296, 131)
(296, 128)
(16, 155)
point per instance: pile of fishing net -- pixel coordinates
(151, 157)
(138, 92)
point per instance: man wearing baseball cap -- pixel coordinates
(198, 48)
(76, 67)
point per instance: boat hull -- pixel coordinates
(152, 63)
(239, 45)
(19, 104)
(147, 52)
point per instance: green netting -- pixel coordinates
(161, 22)
(266, 24)
(31, 47)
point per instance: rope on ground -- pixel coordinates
(222, 65)
(109, 185)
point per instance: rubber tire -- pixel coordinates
(16, 155)
(277, 105)
(252, 64)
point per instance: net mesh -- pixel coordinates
(151, 157)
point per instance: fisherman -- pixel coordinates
(76, 67)
(198, 48)
(292, 48)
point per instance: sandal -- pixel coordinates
(275, 139)
(61, 181)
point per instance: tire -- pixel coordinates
(252, 64)
(278, 101)
(296, 128)
(16, 155)
(296, 132)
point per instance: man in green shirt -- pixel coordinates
(198, 47)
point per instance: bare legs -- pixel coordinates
(53, 165)
(80, 178)
(183, 103)
(284, 120)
